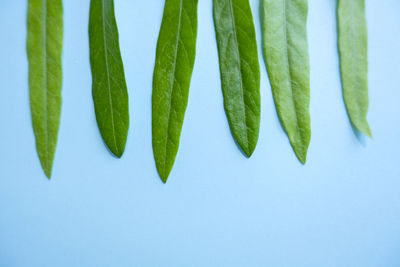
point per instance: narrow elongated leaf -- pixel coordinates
(286, 54)
(176, 49)
(109, 89)
(44, 47)
(240, 71)
(354, 61)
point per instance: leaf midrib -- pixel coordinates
(288, 71)
(45, 86)
(240, 72)
(108, 76)
(352, 31)
(174, 71)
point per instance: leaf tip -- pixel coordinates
(163, 173)
(117, 152)
(301, 155)
(363, 127)
(246, 148)
(46, 166)
(303, 160)
(248, 152)
(47, 172)
(164, 176)
(367, 132)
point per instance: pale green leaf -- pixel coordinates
(352, 37)
(44, 47)
(286, 54)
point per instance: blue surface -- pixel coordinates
(218, 208)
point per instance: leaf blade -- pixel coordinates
(239, 69)
(286, 55)
(352, 44)
(109, 89)
(44, 49)
(171, 80)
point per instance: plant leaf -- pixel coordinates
(44, 48)
(352, 37)
(109, 89)
(286, 55)
(240, 71)
(176, 49)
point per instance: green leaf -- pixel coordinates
(240, 71)
(286, 55)
(352, 37)
(176, 50)
(44, 48)
(109, 89)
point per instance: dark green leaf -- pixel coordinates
(286, 54)
(240, 73)
(109, 89)
(176, 49)
(44, 47)
(354, 61)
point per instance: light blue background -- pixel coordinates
(218, 208)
